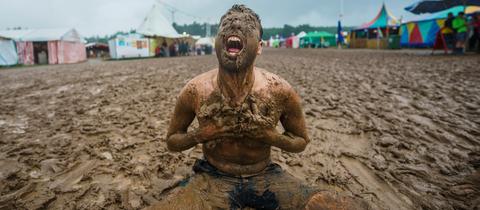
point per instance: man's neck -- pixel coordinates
(236, 85)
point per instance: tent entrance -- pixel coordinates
(40, 52)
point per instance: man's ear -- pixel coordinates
(260, 47)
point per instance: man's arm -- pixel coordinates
(295, 137)
(177, 137)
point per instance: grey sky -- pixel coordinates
(91, 17)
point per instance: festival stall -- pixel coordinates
(129, 46)
(317, 39)
(47, 46)
(377, 33)
(97, 50)
(422, 33)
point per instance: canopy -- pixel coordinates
(383, 19)
(205, 41)
(444, 13)
(301, 34)
(423, 32)
(319, 39)
(43, 35)
(318, 34)
(432, 6)
(155, 24)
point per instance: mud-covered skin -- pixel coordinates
(246, 27)
(237, 105)
(237, 138)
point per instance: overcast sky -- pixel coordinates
(92, 17)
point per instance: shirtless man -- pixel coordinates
(238, 107)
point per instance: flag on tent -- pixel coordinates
(340, 39)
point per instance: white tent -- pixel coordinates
(8, 52)
(128, 46)
(54, 45)
(55, 34)
(296, 39)
(43, 35)
(205, 41)
(155, 24)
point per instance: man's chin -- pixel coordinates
(230, 66)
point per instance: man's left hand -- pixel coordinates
(265, 135)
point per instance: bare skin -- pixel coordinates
(238, 107)
(225, 147)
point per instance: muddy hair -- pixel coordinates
(244, 9)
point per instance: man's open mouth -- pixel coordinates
(234, 45)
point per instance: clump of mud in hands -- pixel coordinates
(251, 116)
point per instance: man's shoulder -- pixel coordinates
(202, 82)
(273, 81)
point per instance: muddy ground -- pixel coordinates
(399, 129)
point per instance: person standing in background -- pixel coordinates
(474, 42)
(460, 26)
(448, 32)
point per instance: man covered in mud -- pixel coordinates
(238, 107)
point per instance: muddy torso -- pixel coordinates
(259, 110)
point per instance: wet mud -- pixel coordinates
(397, 129)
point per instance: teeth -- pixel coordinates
(233, 39)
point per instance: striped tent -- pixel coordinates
(422, 33)
(383, 19)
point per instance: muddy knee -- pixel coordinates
(332, 201)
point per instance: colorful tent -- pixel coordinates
(296, 41)
(378, 33)
(274, 42)
(129, 46)
(422, 32)
(52, 46)
(383, 19)
(8, 52)
(318, 39)
(289, 41)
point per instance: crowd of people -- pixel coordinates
(458, 31)
(181, 48)
(177, 48)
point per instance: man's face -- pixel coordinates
(238, 41)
